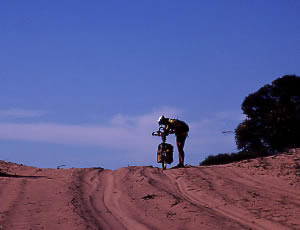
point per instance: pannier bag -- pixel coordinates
(169, 152)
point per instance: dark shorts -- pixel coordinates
(180, 139)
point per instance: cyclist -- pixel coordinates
(181, 130)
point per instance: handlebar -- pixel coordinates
(156, 134)
(162, 132)
(159, 132)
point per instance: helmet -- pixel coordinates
(160, 119)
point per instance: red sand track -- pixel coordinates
(257, 194)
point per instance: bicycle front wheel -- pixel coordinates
(164, 165)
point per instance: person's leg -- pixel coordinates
(180, 144)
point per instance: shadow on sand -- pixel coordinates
(19, 176)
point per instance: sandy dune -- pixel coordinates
(256, 194)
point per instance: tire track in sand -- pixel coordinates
(189, 188)
(101, 202)
(190, 198)
(166, 182)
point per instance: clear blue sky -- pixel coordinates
(83, 82)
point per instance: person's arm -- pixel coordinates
(169, 130)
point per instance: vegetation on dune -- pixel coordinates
(272, 122)
(225, 158)
(273, 117)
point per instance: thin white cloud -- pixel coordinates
(20, 113)
(123, 132)
(128, 132)
(65, 134)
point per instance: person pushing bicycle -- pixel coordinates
(180, 129)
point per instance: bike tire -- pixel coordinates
(164, 165)
(163, 160)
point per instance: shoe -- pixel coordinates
(178, 166)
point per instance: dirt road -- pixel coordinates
(259, 194)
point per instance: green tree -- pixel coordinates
(273, 117)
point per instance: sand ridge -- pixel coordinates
(257, 194)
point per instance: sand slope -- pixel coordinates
(256, 194)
